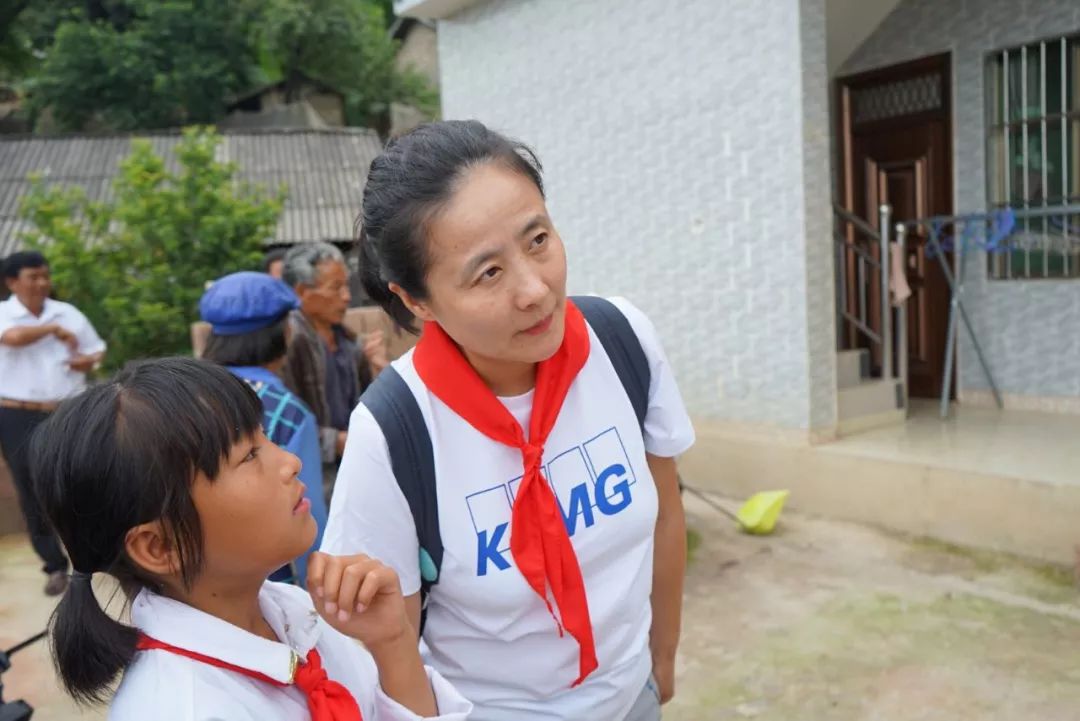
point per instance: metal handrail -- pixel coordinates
(862, 252)
(880, 266)
(867, 330)
(855, 220)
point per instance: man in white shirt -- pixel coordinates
(46, 349)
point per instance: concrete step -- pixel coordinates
(852, 367)
(869, 398)
(986, 508)
(861, 424)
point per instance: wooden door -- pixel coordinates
(896, 149)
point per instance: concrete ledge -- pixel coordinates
(1027, 518)
(976, 398)
(859, 424)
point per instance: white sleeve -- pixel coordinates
(368, 511)
(450, 705)
(668, 430)
(375, 705)
(89, 340)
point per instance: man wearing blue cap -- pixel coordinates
(248, 315)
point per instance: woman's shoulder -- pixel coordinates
(634, 315)
(639, 322)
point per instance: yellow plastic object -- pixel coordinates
(760, 513)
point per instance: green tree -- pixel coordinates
(15, 54)
(345, 44)
(138, 263)
(145, 63)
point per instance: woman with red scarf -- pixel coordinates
(559, 588)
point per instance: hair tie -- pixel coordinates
(80, 576)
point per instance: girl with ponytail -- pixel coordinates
(163, 479)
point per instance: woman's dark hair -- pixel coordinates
(407, 184)
(118, 455)
(256, 348)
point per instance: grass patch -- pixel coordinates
(693, 543)
(1047, 582)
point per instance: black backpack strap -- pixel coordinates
(394, 408)
(623, 348)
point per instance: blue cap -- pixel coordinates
(246, 302)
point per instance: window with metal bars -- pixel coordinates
(1033, 157)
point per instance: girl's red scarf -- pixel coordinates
(327, 700)
(539, 542)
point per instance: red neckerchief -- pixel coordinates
(327, 700)
(539, 543)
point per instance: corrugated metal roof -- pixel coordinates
(324, 172)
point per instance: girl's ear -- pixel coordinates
(149, 548)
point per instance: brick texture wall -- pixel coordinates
(1030, 330)
(686, 153)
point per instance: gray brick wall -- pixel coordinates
(686, 155)
(1030, 330)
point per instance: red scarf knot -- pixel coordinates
(532, 456)
(327, 700)
(539, 542)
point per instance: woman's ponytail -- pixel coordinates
(377, 287)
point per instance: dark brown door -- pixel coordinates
(896, 149)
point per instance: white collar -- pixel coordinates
(286, 609)
(21, 311)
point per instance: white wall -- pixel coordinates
(687, 162)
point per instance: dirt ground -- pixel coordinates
(822, 621)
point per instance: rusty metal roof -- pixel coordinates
(323, 170)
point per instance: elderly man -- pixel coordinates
(46, 350)
(325, 366)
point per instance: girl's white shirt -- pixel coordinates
(165, 686)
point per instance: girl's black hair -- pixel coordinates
(407, 184)
(256, 348)
(118, 455)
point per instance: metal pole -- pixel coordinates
(950, 335)
(964, 317)
(1065, 150)
(886, 308)
(901, 322)
(1006, 130)
(1045, 173)
(1024, 158)
(841, 292)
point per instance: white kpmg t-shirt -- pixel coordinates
(487, 632)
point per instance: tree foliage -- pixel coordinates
(343, 43)
(173, 62)
(143, 64)
(138, 263)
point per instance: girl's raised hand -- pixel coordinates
(360, 597)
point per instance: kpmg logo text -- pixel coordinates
(591, 481)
